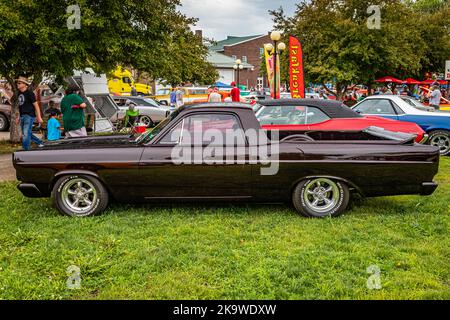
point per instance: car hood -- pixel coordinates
(90, 142)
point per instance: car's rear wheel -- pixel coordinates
(440, 139)
(80, 196)
(147, 121)
(321, 197)
(4, 123)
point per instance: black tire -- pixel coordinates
(4, 123)
(440, 139)
(63, 198)
(147, 120)
(302, 197)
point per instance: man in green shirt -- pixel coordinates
(72, 108)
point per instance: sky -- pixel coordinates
(221, 18)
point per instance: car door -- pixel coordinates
(186, 162)
(377, 107)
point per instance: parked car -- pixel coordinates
(5, 117)
(302, 116)
(318, 177)
(150, 111)
(435, 124)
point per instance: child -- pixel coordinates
(53, 132)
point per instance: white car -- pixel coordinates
(150, 111)
(436, 124)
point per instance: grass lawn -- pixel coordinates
(228, 252)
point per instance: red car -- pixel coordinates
(324, 115)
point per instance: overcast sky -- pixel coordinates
(220, 18)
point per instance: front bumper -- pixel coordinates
(428, 188)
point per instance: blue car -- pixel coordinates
(436, 124)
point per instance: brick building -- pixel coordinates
(249, 49)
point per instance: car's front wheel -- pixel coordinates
(440, 139)
(321, 197)
(80, 196)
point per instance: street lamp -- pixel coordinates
(238, 66)
(274, 50)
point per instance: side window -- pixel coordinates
(397, 108)
(375, 106)
(211, 128)
(126, 80)
(314, 115)
(174, 135)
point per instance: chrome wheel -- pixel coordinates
(80, 196)
(146, 120)
(321, 195)
(442, 141)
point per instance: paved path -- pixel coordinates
(4, 135)
(7, 171)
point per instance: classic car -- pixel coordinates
(150, 111)
(435, 124)
(327, 116)
(318, 177)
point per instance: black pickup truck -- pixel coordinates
(218, 152)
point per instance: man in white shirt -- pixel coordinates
(215, 96)
(435, 98)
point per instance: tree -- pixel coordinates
(339, 46)
(151, 36)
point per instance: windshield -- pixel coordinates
(148, 136)
(416, 104)
(145, 102)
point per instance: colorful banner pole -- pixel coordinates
(270, 72)
(297, 82)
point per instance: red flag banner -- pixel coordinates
(296, 68)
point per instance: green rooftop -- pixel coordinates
(231, 40)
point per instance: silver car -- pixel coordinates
(150, 111)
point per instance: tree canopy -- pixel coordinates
(339, 46)
(151, 36)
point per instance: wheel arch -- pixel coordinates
(353, 188)
(78, 172)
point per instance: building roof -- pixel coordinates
(232, 40)
(219, 60)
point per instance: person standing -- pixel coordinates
(215, 96)
(173, 98)
(29, 112)
(179, 97)
(235, 93)
(72, 107)
(435, 98)
(53, 132)
(133, 91)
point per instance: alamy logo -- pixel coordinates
(74, 20)
(374, 20)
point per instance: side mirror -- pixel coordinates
(163, 102)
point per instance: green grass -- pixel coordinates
(7, 147)
(228, 252)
